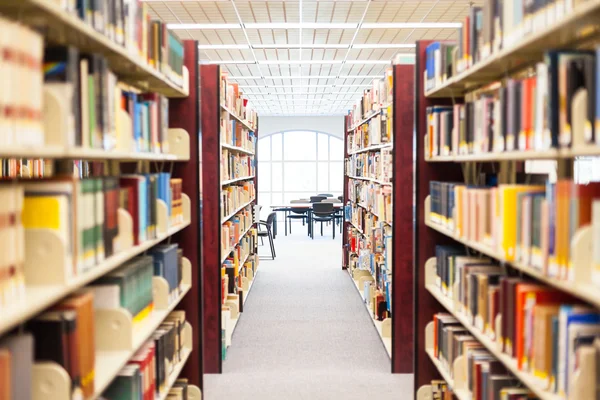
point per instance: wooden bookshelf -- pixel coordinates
(395, 332)
(213, 111)
(570, 29)
(61, 27)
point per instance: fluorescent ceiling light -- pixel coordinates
(412, 25)
(223, 46)
(224, 62)
(365, 85)
(289, 62)
(359, 76)
(303, 46)
(296, 86)
(304, 25)
(385, 46)
(203, 26)
(300, 77)
(374, 62)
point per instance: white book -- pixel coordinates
(106, 297)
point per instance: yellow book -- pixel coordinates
(508, 217)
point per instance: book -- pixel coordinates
(20, 359)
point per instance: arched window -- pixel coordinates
(299, 164)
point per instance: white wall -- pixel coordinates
(333, 125)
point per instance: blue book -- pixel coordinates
(233, 130)
(138, 119)
(166, 264)
(164, 189)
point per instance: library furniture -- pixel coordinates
(117, 337)
(268, 233)
(516, 59)
(216, 114)
(396, 330)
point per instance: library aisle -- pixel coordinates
(305, 334)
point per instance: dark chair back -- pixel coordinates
(325, 194)
(341, 198)
(270, 220)
(323, 209)
(317, 199)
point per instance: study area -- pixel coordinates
(299, 199)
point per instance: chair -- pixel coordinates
(297, 213)
(323, 212)
(326, 194)
(339, 213)
(317, 199)
(268, 233)
(341, 198)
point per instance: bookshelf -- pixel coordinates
(229, 137)
(551, 259)
(98, 288)
(66, 28)
(375, 196)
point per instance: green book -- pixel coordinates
(92, 109)
(127, 385)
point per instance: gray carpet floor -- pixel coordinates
(305, 333)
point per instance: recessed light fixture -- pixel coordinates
(303, 46)
(412, 25)
(384, 46)
(203, 26)
(223, 46)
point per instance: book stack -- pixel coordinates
(236, 134)
(235, 165)
(148, 372)
(16, 366)
(375, 198)
(377, 130)
(376, 98)
(22, 107)
(233, 98)
(531, 225)
(128, 287)
(12, 272)
(176, 201)
(553, 105)
(96, 102)
(26, 168)
(167, 260)
(128, 23)
(441, 390)
(239, 254)
(485, 31)
(65, 335)
(542, 329)
(235, 196)
(235, 229)
(487, 378)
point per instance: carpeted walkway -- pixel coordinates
(304, 333)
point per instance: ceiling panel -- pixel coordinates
(309, 88)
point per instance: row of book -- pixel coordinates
(235, 165)
(235, 196)
(84, 214)
(95, 102)
(65, 334)
(542, 328)
(552, 105)
(148, 372)
(233, 98)
(236, 134)
(374, 197)
(372, 164)
(486, 377)
(530, 224)
(488, 29)
(22, 107)
(26, 168)
(241, 258)
(377, 130)
(233, 230)
(128, 23)
(440, 390)
(378, 96)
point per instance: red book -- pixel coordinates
(132, 183)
